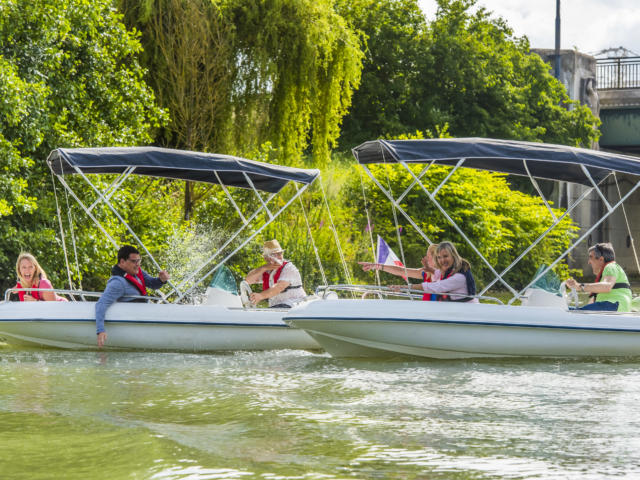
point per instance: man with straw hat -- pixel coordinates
(281, 281)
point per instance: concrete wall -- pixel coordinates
(576, 70)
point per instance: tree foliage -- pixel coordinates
(235, 74)
(69, 77)
(463, 69)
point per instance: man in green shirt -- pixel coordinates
(611, 290)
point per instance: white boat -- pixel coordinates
(543, 326)
(224, 321)
(163, 327)
(446, 330)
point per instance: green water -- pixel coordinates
(297, 415)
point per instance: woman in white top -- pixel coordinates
(281, 281)
(456, 283)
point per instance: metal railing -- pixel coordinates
(618, 73)
(73, 294)
(323, 290)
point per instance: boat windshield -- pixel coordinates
(549, 281)
(224, 280)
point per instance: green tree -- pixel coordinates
(70, 77)
(466, 70)
(488, 84)
(391, 98)
(235, 74)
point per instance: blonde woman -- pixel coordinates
(31, 275)
(428, 273)
(456, 283)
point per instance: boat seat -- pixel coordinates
(536, 297)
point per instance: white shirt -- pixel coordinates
(288, 274)
(456, 283)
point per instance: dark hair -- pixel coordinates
(124, 252)
(604, 250)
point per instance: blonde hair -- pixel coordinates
(39, 273)
(459, 263)
(431, 252)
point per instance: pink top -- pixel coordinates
(44, 283)
(456, 283)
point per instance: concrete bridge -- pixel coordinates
(618, 88)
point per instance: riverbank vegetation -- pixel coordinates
(293, 82)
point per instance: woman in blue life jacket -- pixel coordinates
(429, 272)
(280, 279)
(456, 283)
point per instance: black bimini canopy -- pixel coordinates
(178, 164)
(553, 162)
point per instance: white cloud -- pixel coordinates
(589, 25)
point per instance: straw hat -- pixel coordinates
(270, 247)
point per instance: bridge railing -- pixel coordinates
(618, 73)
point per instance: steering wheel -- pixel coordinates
(245, 292)
(569, 297)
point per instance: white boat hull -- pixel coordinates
(378, 328)
(168, 327)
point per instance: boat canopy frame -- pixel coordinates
(533, 160)
(223, 170)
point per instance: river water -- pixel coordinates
(299, 415)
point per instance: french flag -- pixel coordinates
(385, 255)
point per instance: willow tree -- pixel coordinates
(237, 73)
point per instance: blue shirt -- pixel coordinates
(117, 288)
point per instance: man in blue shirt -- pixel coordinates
(127, 280)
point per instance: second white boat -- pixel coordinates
(446, 330)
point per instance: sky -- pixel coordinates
(588, 25)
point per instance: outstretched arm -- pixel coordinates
(393, 269)
(156, 282)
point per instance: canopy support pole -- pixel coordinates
(64, 245)
(258, 195)
(537, 187)
(602, 197)
(400, 209)
(250, 238)
(410, 187)
(226, 191)
(217, 252)
(126, 225)
(87, 211)
(113, 188)
(455, 225)
(539, 239)
(570, 249)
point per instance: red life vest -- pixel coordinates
(35, 295)
(137, 281)
(265, 277)
(444, 298)
(428, 297)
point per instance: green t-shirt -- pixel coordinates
(620, 295)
